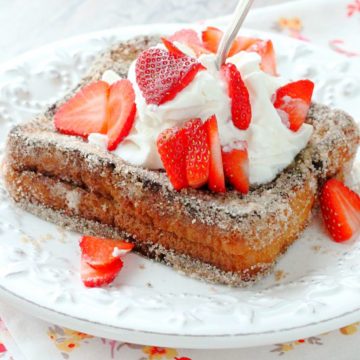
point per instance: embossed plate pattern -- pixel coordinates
(315, 287)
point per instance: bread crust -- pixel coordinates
(226, 238)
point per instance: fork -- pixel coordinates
(231, 32)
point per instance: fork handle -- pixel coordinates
(231, 32)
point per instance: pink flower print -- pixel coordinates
(339, 46)
(353, 8)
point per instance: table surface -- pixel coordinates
(29, 24)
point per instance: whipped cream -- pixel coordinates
(271, 145)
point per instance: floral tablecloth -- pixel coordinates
(27, 338)
(329, 23)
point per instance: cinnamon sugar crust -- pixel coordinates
(226, 238)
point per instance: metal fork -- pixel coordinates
(231, 32)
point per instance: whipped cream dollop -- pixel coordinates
(271, 145)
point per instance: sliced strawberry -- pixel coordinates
(236, 165)
(172, 146)
(211, 37)
(190, 38)
(93, 278)
(171, 47)
(301, 89)
(122, 110)
(239, 95)
(186, 36)
(216, 181)
(293, 102)
(86, 112)
(265, 49)
(241, 43)
(103, 254)
(198, 156)
(161, 75)
(340, 209)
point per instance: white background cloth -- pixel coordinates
(28, 24)
(24, 25)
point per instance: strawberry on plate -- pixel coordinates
(94, 277)
(161, 74)
(103, 254)
(190, 38)
(236, 165)
(122, 110)
(239, 95)
(293, 102)
(340, 209)
(86, 112)
(198, 154)
(172, 146)
(216, 181)
(100, 259)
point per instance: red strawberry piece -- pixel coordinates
(241, 43)
(172, 146)
(161, 75)
(94, 278)
(171, 47)
(293, 102)
(186, 36)
(122, 110)
(236, 165)
(103, 254)
(198, 156)
(212, 36)
(190, 38)
(265, 49)
(86, 112)
(340, 209)
(239, 95)
(216, 181)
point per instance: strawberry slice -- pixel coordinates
(239, 95)
(265, 49)
(293, 102)
(241, 43)
(198, 156)
(211, 37)
(340, 209)
(190, 38)
(122, 110)
(216, 181)
(161, 75)
(94, 278)
(103, 254)
(86, 112)
(172, 146)
(236, 165)
(171, 47)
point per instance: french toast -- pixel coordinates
(226, 238)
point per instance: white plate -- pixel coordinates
(317, 283)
